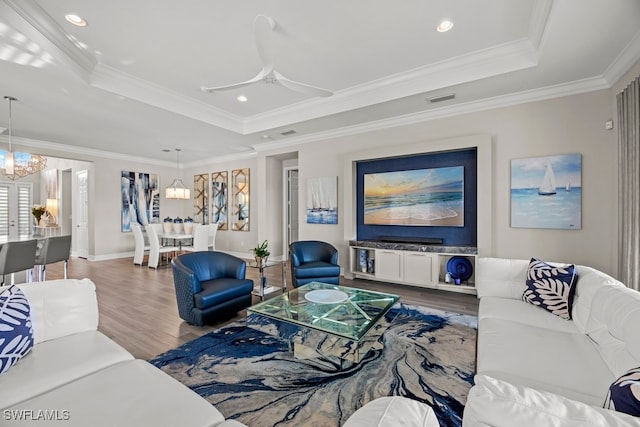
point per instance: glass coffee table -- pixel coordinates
(322, 321)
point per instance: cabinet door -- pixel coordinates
(389, 265)
(418, 268)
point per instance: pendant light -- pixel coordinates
(19, 165)
(177, 189)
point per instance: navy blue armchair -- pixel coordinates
(210, 286)
(312, 260)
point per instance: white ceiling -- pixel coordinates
(128, 83)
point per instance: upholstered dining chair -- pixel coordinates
(17, 256)
(200, 239)
(141, 247)
(213, 230)
(313, 260)
(210, 286)
(155, 248)
(54, 249)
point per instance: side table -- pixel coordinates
(263, 287)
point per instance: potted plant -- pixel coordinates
(261, 253)
(38, 211)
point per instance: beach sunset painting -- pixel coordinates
(421, 197)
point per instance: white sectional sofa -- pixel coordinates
(76, 376)
(537, 369)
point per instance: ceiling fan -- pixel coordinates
(263, 26)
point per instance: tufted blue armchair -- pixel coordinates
(210, 286)
(312, 260)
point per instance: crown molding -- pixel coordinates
(43, 29)
(539, 20)
(54, 149)
(534, 95)
(113, 80)
(489, 62)
(624, 61)
(220, 159)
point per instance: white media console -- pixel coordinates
(410, 264)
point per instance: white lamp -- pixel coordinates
(177, 189)
(52, 208)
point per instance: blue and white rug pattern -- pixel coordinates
(252, 377)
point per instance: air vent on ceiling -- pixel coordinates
(288, 132)
(441, 98)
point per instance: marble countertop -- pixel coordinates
(416, 247)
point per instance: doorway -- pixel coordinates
(81, 216)
(16, 220)
(291, 224)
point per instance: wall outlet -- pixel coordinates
(608, 125)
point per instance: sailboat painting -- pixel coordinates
(322, 200)
(546, 192)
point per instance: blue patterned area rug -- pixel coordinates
(252, 377)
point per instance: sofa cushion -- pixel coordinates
(551, 287)
(56, 362)
(393, 411)
(61, 307)
(624, 393)
(16, 339)
(589, 283)
(612, 326)
(497, 403)
(130, 393)
(551, 360)
(501, 277)
(519, 311)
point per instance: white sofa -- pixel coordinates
(76, 376)
(537, 369)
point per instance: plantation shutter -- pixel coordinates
(4, 211)
(24, 210)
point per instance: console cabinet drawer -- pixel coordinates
(389, 265)
(418, 268)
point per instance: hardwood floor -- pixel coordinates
(138, 306)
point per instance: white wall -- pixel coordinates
(236, 242)
(572, 124)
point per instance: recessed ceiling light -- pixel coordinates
(444, 26)
(75, 20)
(242, 98)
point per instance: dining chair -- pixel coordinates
(213, 230)
(141, 246)
(155, 248)
(17, 256)
(201, 234)
(54, 249)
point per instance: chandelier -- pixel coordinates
(19, 165)
(177, 189)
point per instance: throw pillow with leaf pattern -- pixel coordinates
(16, 330)
(551, 288)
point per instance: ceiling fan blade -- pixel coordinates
(257, 78)
(263, 27)
(301, 87)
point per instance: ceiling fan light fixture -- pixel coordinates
(177, 189)
(75, 20)
(444, 26)
(242, 98)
